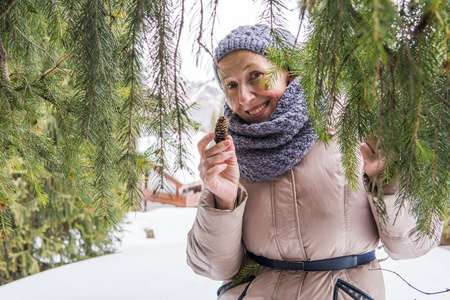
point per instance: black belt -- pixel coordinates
(330, 264)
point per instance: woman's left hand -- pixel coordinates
(372, 165)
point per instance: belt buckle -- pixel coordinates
(355, 261)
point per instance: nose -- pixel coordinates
(246, 94)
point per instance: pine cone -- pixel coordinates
(221, 129)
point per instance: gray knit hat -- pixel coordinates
(256, 38)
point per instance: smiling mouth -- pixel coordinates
(259, 109)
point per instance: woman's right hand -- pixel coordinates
(219, 170)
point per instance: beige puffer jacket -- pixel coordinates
(307, 213)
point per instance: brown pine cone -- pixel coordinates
(221, 129)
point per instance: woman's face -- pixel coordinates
(241, 73)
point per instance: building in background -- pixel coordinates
(179, 190)
(183, 188)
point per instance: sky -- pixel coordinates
(230, 15)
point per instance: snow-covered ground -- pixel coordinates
(156, 268)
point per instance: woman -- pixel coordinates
(276, 195)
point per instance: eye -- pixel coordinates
(231, 85)
(256, 74)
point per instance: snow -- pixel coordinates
(156, 268)
(429, 273)
(142, 269)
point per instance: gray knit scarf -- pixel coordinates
(266, 150)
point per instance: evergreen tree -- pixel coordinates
(85, 60)
(76, 67)
(55, 234)
(389, 63)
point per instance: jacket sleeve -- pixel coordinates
(398, 230)
(214, 245)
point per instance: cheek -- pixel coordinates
(278, 92)
(276, 95)
(231, 104)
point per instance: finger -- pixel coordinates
(214, 171)
(372, 143)
(220, 147)
(202, 145)
(375, 146)
(232, 160)
(367, 153)
(231, 146)
(209, 162)
(219, 158)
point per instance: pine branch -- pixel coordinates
(4, 194)
(438, 97)
(34, 44)
(133, 103)
(58, 17)
(66, 126)
(93, 52)
(56, 67)
(435, 160)
(120, 10)
(273, 13)
(351, 46)
(176, 84)
(424, 20)
(74, 185)
(3, 61)
(213, 20)
(37, 186)
(5, 223)
(103, 191)
(201, 30)
(245, 273)
(8, 8)
(165, 105)
(415, 141)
